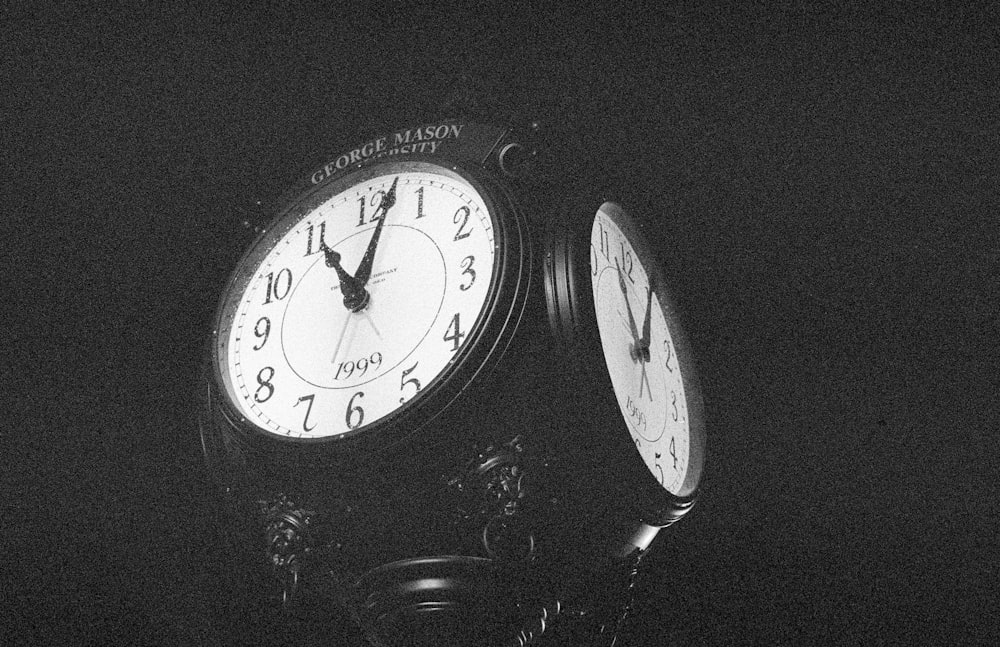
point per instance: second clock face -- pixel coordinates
(312, 344)
(639, 348)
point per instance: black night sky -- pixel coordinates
(826, 184)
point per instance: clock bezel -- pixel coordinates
(485, 344)
(573, 322)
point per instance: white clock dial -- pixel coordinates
(300, 361)
(639, 349)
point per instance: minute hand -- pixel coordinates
(364, 270)
(628, 308)
(643, 349)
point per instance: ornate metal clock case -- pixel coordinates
(377, 395)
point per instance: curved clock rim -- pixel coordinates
(573, 323)
(499, 317)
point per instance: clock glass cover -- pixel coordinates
(357, 300)
(640, 343)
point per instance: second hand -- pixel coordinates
(340, 338)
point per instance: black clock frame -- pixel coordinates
(573, 322)
(486, 344)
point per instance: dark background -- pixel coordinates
(825, 186)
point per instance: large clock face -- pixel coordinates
(356, 302)
(640, 347)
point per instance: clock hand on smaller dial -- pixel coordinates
(365, 267)
(644, 379)
(355, 294)
(631, 319)
(643, 349)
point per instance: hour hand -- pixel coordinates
(355, 295)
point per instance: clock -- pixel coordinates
(369, 304)
(385, 414)
(611, 310)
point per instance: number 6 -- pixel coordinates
(352, 409)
